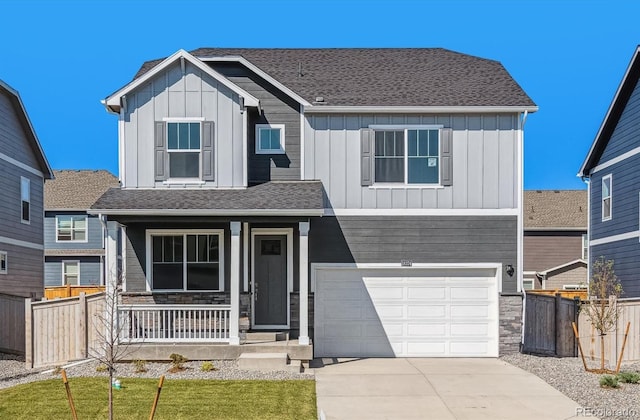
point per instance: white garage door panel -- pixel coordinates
(377, 313)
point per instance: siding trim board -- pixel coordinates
(20, 165)
(615, 238)
(617, 159)
(17, 242)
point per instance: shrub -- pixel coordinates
(608, 381)
(629, 377)
(140, 366)
(101, 368)
(207, 367)
(177, 362)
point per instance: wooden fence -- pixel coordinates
(59, 331)
(590, 340)
(70, 291)
(12, 324)
(548, 328)
(581, 294)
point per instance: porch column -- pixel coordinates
(303, 338)
(234, 338)
(111, 257)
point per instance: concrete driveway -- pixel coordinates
(434, 389)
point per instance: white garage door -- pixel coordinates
(406, 312)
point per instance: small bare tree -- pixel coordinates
(602, 308)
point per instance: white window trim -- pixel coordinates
(22, 179)
(602, 197)
(261, 151)
(528, 280)
(177, 180)
(177, 232)
(406, 184)
(86, 230)
(64, 263)
(6, 262)
(585, 247)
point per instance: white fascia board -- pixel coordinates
(209, 212)
(114, 99)
(261, 73)
(322, 109)
(606, 117)
(420, 212)
(579, 260)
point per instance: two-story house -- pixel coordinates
(555, 239)
(23, 170)
(367, 202)
(610, 170)
(74, 240)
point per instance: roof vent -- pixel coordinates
(319, 99)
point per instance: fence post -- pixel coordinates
(81, 331)
(576, 319)
(557, 322)
(28, 349)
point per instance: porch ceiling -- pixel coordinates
(271, 198)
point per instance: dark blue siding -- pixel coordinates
(624, 137)
(94, 233)
(626, 263)
(625, 187)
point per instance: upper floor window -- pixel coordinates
(409, 156)
(585, 246)
(186, 261)
(270, 138)
(183, 145)
(3, 262)
(25, 194)
(606, 197)
(70, 273)
(71, 228)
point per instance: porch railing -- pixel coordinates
(173, 323)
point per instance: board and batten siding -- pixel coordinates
(485, 162)
(90, 268)
(94, 233)
(625, 136)
(172, 94)
(428, 239)
(277, 108)
(625, 199)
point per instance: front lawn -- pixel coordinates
(180, 399)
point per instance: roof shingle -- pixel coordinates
(76, 189)
(566, 209)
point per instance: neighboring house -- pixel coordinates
(611, 172)
(365, 201)
(74, 240)
(555, 240)
(23, 169)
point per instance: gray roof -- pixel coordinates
(382, 76)
(555, 209)
(279, 196)
(77, 189)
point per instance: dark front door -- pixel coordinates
(270, 281)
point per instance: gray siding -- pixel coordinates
(277, 108)
(545, 250)
(11, 205)
(24, 272)
(484, 162)
(625, 188)
(624, 137)
(174, 95)
(89, 270)
(626, 263)
(94, 233)
(13, 141)
(453, 239)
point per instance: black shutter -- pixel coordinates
(161, 158)
(446, 153)
(208, 153)
(366, 156)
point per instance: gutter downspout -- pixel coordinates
(520, 250)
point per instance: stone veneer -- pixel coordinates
(510, 323)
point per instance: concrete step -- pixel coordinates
(264, 337)
(268, 362)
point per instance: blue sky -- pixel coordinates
(569, 56)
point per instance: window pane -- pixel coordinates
(389, 143)
(25, 210)
(25, 189)
(389, 169)
(167, 276)
(379, 143)
(194, 135)
(79, 235)
(607, 207)
(203, 248)
(606, 186)
(157, 248)
(191, 248)
(202, 276)
(423, 143)
(3, 262)
(80, 222)
(423, 170)
(167, 254)
(412, 141)
(214, 248)
(433, 143)
(275, 139)
(71, 268)
(64, 222)
(172, 134)
(184, 165)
